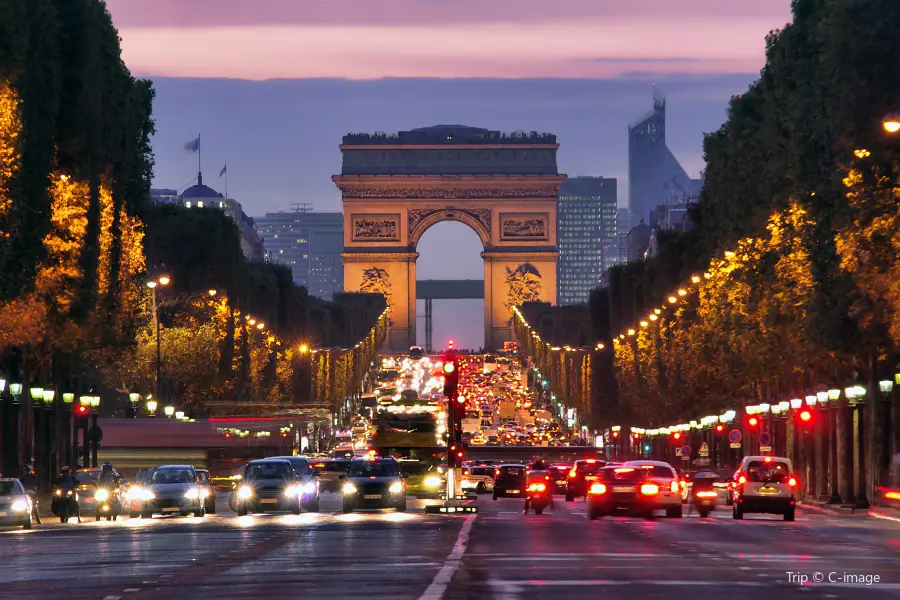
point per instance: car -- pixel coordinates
(373, 483)
(509, 481)
(664, 476)
(15, 504)
(580, 477)
(135, 492)
(207, 490)
(559, 478)
(479, 478)
(636, 490)
(269, 485)
(328, 474)
(172, 489)
(309, 485)
(764, 484)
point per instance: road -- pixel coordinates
(498, 553)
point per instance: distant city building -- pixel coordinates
(638, 241)
(623, 226)
(670, 217)
(310, 243)
(585, 235)
(202, 196)
(655, 177)
(159, 196)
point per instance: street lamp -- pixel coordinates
(179, 415)
(796, 403)
(811, 401)
(37, 394)
(49, 395)
(886, 386)
(162, 279)
(15, 390)
(151, 407)
(169, 410)
(856, 395)
(891, 123)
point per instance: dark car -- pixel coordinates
(374, 483)
(309, 486)
(172, 489)
(269, 485)
(559, 475)
(509, 481)
(636, 488)
(581, 476)
(328, 473)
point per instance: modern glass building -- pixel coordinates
(311, 244)
(586, 234)
(655, 177)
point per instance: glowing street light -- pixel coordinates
(891, 123)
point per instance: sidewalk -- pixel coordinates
(890, 513)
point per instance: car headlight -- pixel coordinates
(19, 506)
(245, 492)
(192, 494)
(309, 488)
(292, 490)
(349, 488)
(396, 487)
(101, 495)
(432, 481)
(145, 495)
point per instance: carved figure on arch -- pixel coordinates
(523, 285)
(376, 281)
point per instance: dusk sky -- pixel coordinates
(272, 85)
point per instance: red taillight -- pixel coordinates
(591, 461)
(597, 489)
(707, 494)
(537, 487)
(742, 479)
(649, 489)
(892, 495)
(792, 482)
(675, 487)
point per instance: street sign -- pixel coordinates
(704, 450)
(735, 436)
(764, 439)
(678, 452)
(685, 451)
(765, 448)
(735, 445)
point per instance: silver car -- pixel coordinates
(15, 504)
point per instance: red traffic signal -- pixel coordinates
(753, 422)
(805, 416)
(81, 410)
(676, 435)
(637, 436)
(615, 434)
(720, 428)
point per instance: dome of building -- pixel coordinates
(200, 191)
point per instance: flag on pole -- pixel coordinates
(223, 171)
(193, 145)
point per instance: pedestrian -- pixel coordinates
(30, 483)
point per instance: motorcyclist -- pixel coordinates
(30, 483)
(67, 481)
(539, 465)
(108, 476)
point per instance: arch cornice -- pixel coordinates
(420, 220)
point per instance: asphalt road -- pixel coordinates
(497, 554)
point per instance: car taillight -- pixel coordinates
(706, 494)
(572, 473)
(649, 489)
(597, 489)
(792, 482)
(537, 487)
(742, 479)
(675, 487)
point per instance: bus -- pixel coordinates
(411, 438)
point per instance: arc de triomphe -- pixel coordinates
(503, 186)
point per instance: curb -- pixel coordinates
(838, 509)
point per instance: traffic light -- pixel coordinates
(806, 416)
(720, 428)
(676, 436)
(451, 378)
(753, 422)
(81, 411)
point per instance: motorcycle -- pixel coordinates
(538, 497)
(107, 504)
(703, 493)
(64, 504)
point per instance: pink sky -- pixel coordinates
(364, 39)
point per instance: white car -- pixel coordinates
(764, 484)
(665, 477)
(479, 478)
(15, 504)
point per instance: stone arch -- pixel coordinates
(477, 221)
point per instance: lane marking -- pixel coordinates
(439, 584)
(883, 516)
(518, 584)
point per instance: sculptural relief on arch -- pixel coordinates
(503, 186)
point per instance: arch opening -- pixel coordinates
(449, 251)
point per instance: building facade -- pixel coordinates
(311, 244)
(623, 226)
(586, 233)
(655, 177)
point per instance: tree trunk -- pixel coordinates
(845, 453)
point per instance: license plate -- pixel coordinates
(560, 481)
(269, 500)
(590, 478)
(4, 514)
(90, 500)
(171, 509)
(372, 497)
(768, 491)
(623, 489)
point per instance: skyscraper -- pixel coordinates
(586, 236)
(311, 244)
(655, 177)
(623, 226)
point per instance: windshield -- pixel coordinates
(623, 474)
(9, 488)
(300, 465)
(512, 472)
(333, 466)
(374, 469)
(768, 472)
(269, 470)
(586, 467)
(87, 476)
(165, 476)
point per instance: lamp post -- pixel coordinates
(33, 444)
(834, 398)
(857, 396)
(12, 436)
(161, 279)
(67, 458)
(95, 430)
(4, 428)
(885, 417)
(49, 448)
(891, 123)
(170, 411)
(151, 407)
(134, 398)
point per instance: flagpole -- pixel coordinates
(199, 162)
(226, 180)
